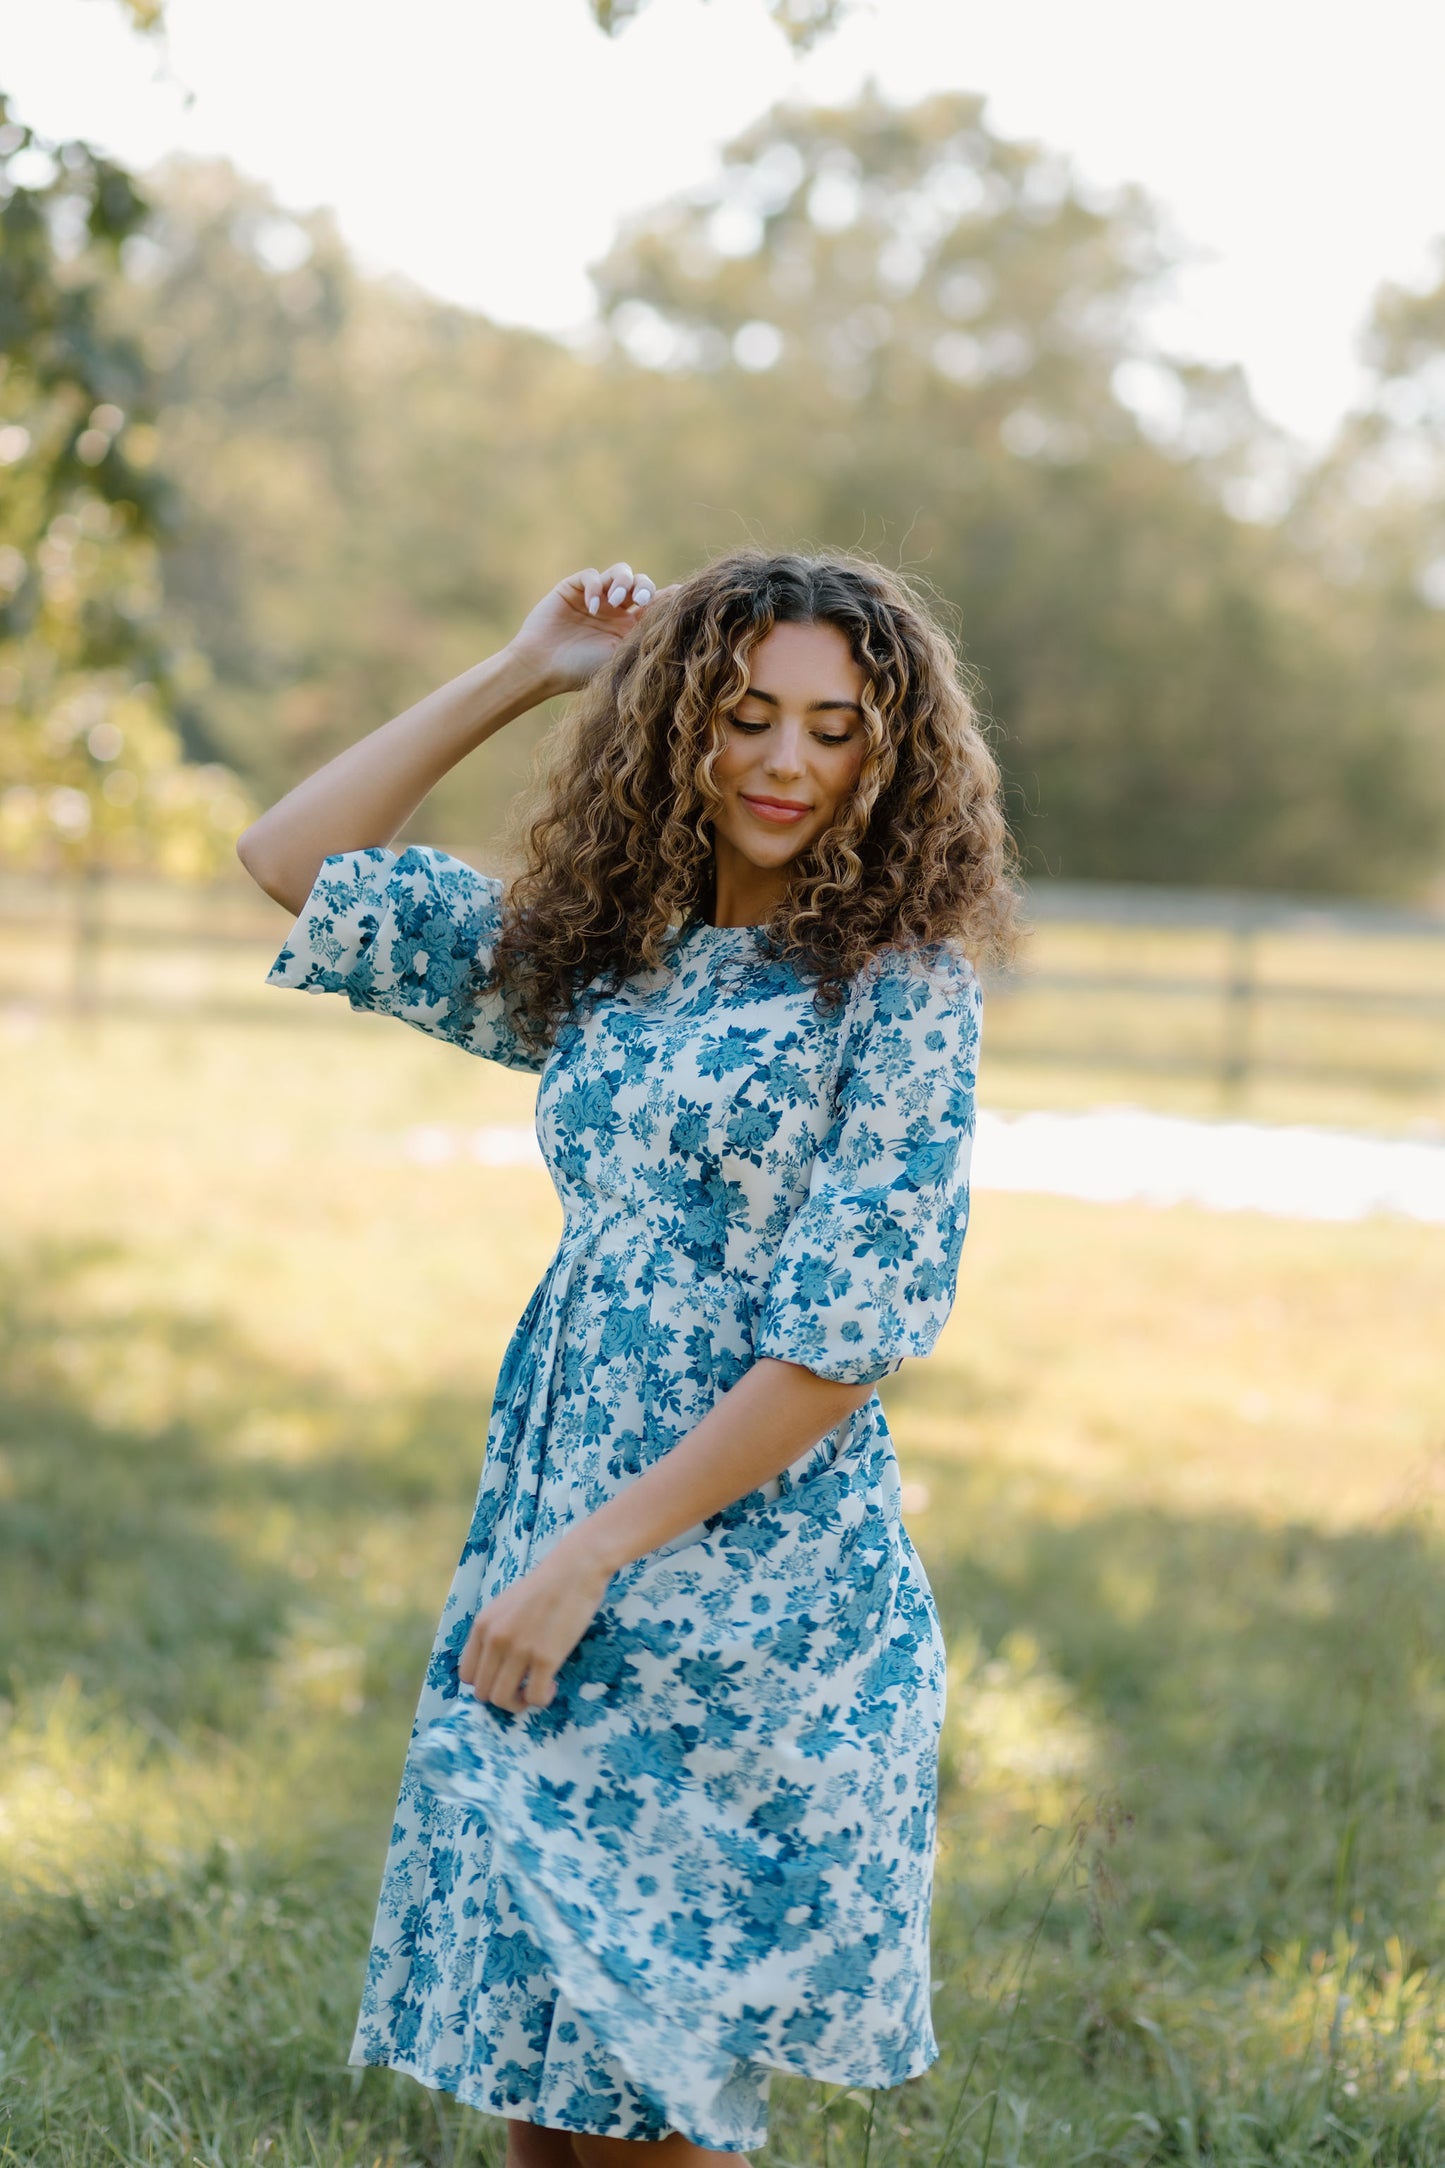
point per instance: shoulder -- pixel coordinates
(896, 983)
(914, 1023)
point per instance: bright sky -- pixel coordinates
(488, 148)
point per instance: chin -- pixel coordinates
(770, 861)
(769, 848)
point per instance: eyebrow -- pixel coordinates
(814, 707)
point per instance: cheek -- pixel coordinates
(838, 778)
(731, 762)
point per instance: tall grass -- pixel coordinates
(1174, 1478)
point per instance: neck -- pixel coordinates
(743, 894)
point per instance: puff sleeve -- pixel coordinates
(867, 1270)
(403, 934)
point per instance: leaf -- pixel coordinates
(614, 15)
(803, 22)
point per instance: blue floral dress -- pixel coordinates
(711, 1856)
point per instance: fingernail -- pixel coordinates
(592, 605)
(642, 594)
(618, 594)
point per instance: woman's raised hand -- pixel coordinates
(362, 797)
(576, 627)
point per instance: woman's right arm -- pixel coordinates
(360, 799)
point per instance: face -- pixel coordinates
(794, 749)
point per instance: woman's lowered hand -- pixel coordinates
(520, 1640)
(759, 1426)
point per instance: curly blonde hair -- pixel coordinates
(619, 850)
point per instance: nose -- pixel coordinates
(785, 749)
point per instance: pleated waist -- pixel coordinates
(632, 1224)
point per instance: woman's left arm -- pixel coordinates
(774, 1413)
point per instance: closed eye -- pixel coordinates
(823, 737)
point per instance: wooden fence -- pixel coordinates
(1232, 982)
(1219, 983)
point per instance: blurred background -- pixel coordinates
(331, 337)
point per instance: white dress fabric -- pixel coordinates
(711, 1856)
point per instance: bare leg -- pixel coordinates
(673, 2151)
(537, 2145)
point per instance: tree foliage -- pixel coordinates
(881, 326)
(802, 22)
(1389, 465)
(946, 324)
(375, 483)
(1371, 516)
(90, 769)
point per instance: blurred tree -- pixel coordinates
(1377, 503)
(90, 770)
(377, 485)
(882, 327)
(893, 252)
(931, 333)
(802, 22)
(1372, 513)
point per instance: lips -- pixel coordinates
(775, 809)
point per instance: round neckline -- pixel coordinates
(700, 925)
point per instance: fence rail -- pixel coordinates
(1246, 910)
(1232, 984)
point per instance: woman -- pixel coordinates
(667, 1822)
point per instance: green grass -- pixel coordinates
(1174, 1477)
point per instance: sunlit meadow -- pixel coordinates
(1175, 1477)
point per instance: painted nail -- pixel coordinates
(592, 605)
(617, 594)
(642, 594)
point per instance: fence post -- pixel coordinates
(1237, 1051)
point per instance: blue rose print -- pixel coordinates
(711, 1856)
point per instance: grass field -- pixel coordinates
(1175, 1478)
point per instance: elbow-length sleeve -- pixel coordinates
(403, 935)
(868, 1267)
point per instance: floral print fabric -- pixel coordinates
(711, 1856)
